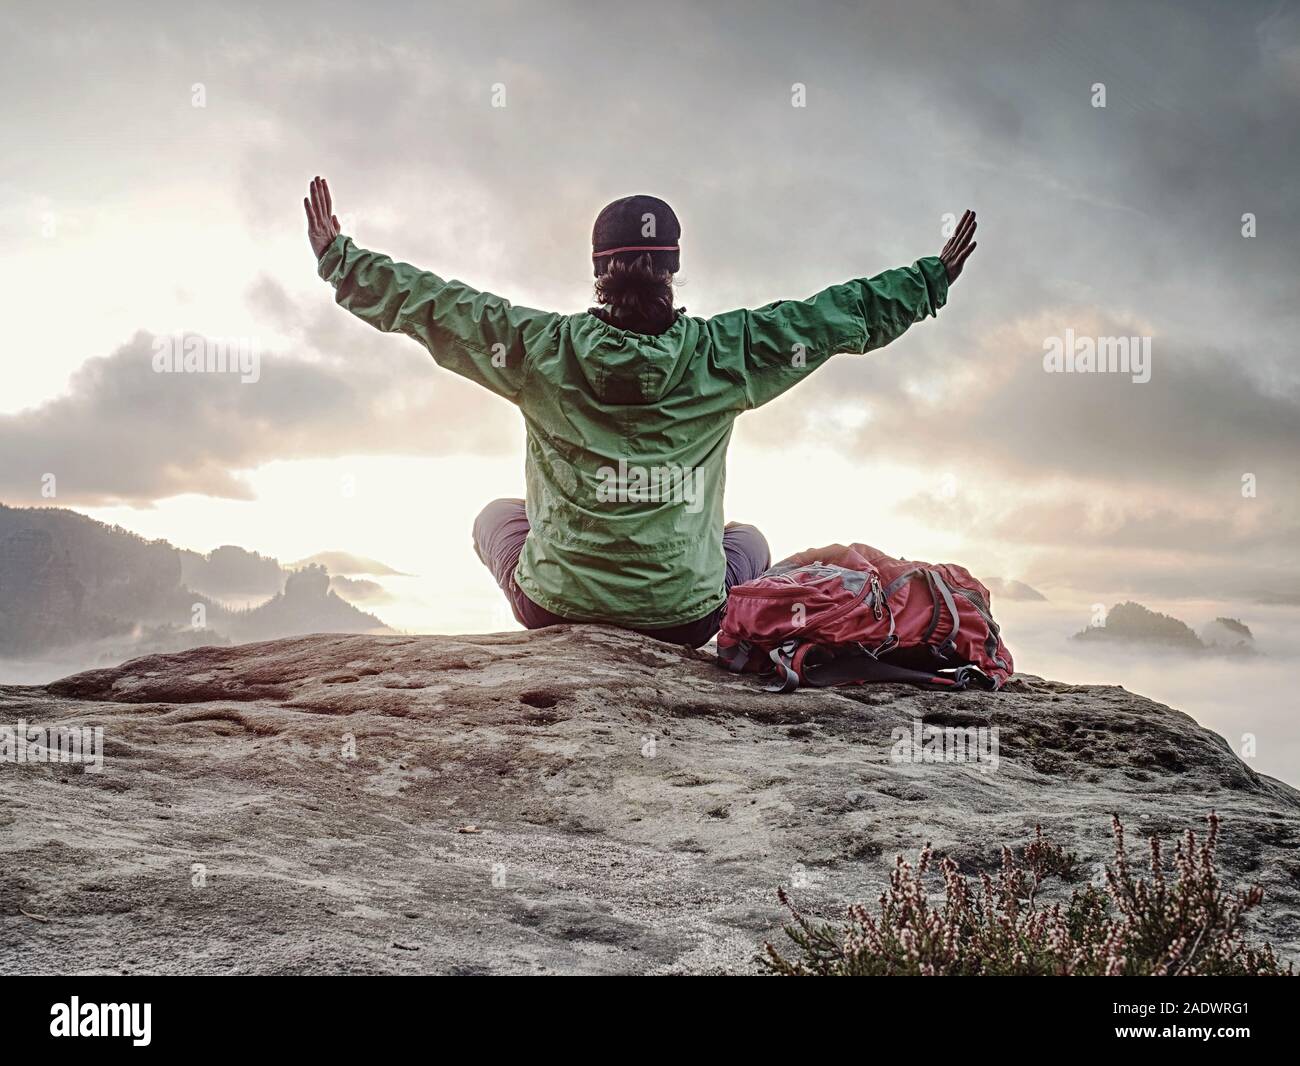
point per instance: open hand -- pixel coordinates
(957, 250)
(322, 223)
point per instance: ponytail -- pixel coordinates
(635, 295)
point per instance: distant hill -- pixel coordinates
(230, 571)
(68, 581)
(1131, 623)
(348, 565)
(1007, 589)
(307, 605)
(359, 590)
(1228, 634)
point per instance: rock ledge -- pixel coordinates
(575, 799)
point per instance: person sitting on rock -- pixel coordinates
(628, 407)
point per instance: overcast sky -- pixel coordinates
(127, 213)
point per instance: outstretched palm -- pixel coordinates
(959, 246)
(322, 223)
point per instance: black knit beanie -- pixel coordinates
(636, 224)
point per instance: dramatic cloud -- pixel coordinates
(1130, 543)
(126, 432)
(1206, 415)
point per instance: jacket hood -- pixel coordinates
(632, 368)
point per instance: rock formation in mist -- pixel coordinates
(1007, 589)
(345, 564)
(1228, 635)
(231, 572)
(359, 590)
(307, 605)
(69, 582)
(1132, 623)
(1137, 626)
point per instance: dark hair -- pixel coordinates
(635, 295)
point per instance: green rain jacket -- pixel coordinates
(628, 433)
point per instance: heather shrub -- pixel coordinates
(1175, 920)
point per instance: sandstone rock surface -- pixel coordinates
(574, 799)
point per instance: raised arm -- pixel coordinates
(475, 334)
(772, 348)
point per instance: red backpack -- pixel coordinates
(846, 616)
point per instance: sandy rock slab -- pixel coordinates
(572, 800)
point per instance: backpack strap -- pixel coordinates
(788, 658)
(901, 580)
(861, 667)
(941, 594)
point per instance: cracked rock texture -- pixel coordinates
(574, 799)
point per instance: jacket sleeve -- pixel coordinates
(475, 334)
(773, 348)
